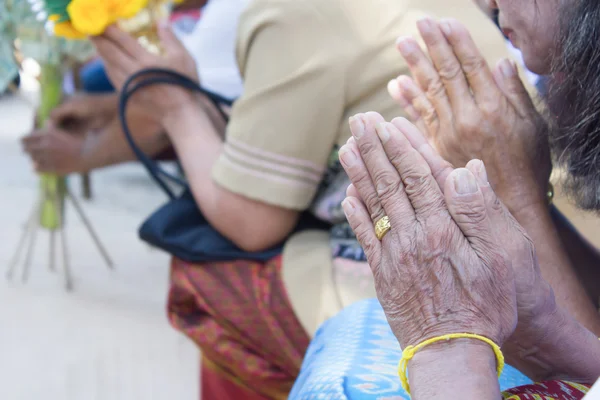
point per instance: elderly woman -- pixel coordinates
(468, 111)
(451, 255)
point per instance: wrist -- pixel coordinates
(454, 349)
(87, 156)
(555, 346)
(462, 363)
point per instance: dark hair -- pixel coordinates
(574, 102)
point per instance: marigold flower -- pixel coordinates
(67, 31)
(125, 8)
(90, 17)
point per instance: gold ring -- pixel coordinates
(382, 227)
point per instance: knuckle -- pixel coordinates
(491, 108)
(367, 148)
(468, 212)
(427, 112)
(415, 175)
(467, 125)
(399, 160)
(387, 186)
(449, 70)
(436, 89)
(372, 202)
(473, 65)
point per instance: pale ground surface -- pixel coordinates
(110, 339)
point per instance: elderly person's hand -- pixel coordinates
(469, 111)
(442, 268)
(447, 264)
(123, 56)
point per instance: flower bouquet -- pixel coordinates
(25, 32)
(81, 18)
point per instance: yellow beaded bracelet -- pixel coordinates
(410, 352)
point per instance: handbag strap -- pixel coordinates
(159, 76)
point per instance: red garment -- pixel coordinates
(553, 390)
(239, 315)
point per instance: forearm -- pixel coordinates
(251, 225)
(561, 348)
(109, 146)
(556, 265)
(462, 366)
(583, 255)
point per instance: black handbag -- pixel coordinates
(179, 227)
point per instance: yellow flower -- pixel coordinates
(125, 8)
(90, 17)
(65, 29)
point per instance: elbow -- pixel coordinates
(255, 243)
(256, 237)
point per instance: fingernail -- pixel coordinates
(425, 25)
(405, 45)
(347, 156)
(406, 83)
(508, 68)
(446, 27)
(481, 174)
(357, 126)
(348, 208)
(383, 132)
(464, 182)
(393, 88)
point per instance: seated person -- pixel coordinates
(307, 66)
(86, 134)
(554, 333)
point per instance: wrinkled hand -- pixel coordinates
(441, 268)
(468, 111)
(123, 56)
(54, 150)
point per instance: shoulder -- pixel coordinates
(291, 32)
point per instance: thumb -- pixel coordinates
(68, 110)
(169, 40)
(467, 207)
(506, 75)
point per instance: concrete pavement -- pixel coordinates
(109, 339)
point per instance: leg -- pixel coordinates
(27, 230)
(52, 255)
(30, 249)
(65, 253)
(86, 184)
(90, 229)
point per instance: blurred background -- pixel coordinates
(109, 338)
